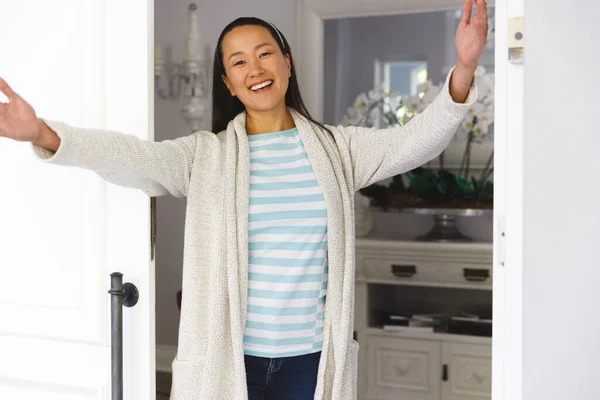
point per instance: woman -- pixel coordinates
(268, 279)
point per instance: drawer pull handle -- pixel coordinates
(404, 271)
(445, 372)
(476, 274)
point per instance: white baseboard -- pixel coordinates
(165, 355)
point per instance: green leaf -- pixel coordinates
(447, 186)
(466, 190)
(423, 182)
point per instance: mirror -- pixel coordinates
(396, 52)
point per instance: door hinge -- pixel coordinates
(515, 40)
(152, 227)
(501, 240)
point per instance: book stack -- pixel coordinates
(470, 324)
(412, 323)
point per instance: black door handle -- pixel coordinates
(122, 294)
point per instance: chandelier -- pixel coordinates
(186, 80)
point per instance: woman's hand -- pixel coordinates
(471, 34)
(18, 120)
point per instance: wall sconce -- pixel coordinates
(187, 80)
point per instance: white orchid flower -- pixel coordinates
(352, 116)
(467, 124)
(352, 112)
(403, 115)
(362, 102)
(431, 94)
(488, 103)
(474, 109)
(481, 128)
(479, 71)
(486, 117)
(413, 104)
(377, 94)
(425, 87)
(485, 86)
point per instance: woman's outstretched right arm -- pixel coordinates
(157, 168)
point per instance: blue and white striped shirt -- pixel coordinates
(287, 244)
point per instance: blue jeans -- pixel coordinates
(288, 378)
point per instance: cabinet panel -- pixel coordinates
(469, 371)
(404, 368)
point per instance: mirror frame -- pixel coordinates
(309, 52)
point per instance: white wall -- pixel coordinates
(561, 214)
(171, 29)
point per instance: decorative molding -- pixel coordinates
(332, 9)
(310, 58)
(165, 354)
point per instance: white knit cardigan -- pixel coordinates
(213, 172)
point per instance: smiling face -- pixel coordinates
(257, 72)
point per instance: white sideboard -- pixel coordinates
(395, 276)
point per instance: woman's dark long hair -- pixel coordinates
(225, 106)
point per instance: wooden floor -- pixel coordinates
(163, 385)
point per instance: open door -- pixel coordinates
(546, 275)
(63, 230)
(507, 342)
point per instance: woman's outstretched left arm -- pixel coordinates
(377, 154)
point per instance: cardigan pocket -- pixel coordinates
(349, 391)
(187, 377)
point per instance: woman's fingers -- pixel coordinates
(467, 8)
(481, 10)
(4, 88)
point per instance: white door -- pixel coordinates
(546, 324)
(507, 366)
(64, 230)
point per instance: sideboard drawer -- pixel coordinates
(403, 368)
(424, 271)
